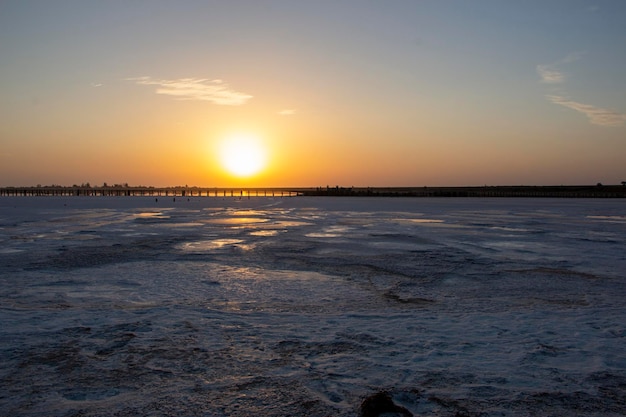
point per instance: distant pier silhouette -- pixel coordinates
(561, 191)
(140, 191)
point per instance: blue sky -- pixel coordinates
(373, 92)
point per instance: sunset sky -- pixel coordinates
(341, 92)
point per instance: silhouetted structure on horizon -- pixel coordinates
(565, 191)
(561, 191)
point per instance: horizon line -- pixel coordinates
(303, 187)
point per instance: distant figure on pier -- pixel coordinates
(156, 200)
(174, 199)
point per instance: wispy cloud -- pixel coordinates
(203, 89)
(596, 115)
(551, 74)
(287, 112)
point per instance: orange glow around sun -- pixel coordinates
(242, 155)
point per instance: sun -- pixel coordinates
(242, 155)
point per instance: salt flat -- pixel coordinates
(306, 306)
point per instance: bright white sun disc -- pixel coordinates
(242, 156)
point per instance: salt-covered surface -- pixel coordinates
(303, 306)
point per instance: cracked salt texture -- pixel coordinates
(308, 306)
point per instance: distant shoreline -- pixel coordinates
(560, 191)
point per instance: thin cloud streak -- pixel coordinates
(550, 75)
(202, 89)
(287, 112)
(596, 115)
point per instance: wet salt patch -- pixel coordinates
(30, 237)
(512, 245)
(237, 220)
(343, 251)
(330, 232)
(207, 245)
(609, 219)
(94, 291)
(401, 246)
(430, 224)
(291, 223)
(251, 213)
(363, 220)
(421, 220)
(607, 237)
(10, 250)
(82, 237)
(149, 220)
(322, 235)
(263, 290)
(213, 209)
(511, 229)
(152, 214)
(138, 234)
(265, 233)
(186, 224)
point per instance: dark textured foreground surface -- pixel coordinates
(312, 307)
